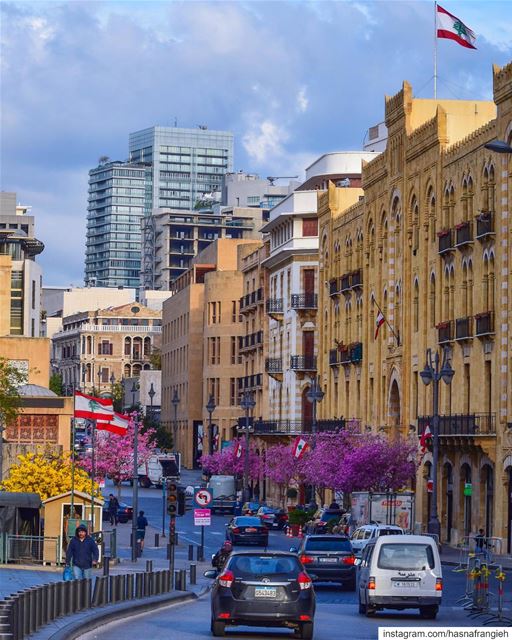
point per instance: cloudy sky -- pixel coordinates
(292, 80)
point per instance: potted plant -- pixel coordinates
(296, 519)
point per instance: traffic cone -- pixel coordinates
(289, 532)
(301, 533)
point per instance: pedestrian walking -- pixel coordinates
(481, 544)
(142, 523)
(113, 509)
(82, 553)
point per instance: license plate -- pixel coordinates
(265, 592)
(407, 584)
(329, 560)
(251, 530)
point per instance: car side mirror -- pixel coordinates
(294, 550)
(211, 573)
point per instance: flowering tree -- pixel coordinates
(47, 474)
(114, 453)
(225, 461)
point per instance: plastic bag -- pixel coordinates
(68, 574)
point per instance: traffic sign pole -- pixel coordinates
(202, 542)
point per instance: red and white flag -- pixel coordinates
(379, 321)
(93, 408)
(449, 26)
(118, 425)
(425, 438)
(300, 446)
(238, 450)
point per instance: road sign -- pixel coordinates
(202, 498)
(202, 517)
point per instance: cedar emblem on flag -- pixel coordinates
(426, 436)
(300, 446)
(238, 450)
(449, 26)
(93, 408)
(118, 425)
(379, 321)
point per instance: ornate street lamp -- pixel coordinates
(314, 395)
(433, 373)
(210, 407)
(151, 394)
(247, 403)
(175, 402)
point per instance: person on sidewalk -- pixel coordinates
(220, 558)
(113, 508)
(82, 553)
(481, 545)
(142, 523)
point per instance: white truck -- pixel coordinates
(158, 467)
(223, 490)
(395, 508)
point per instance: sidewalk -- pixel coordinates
(453, 556)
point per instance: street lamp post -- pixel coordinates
(499, 146)
(314, 395)
(210, 407)
(175, 402)
(135, 476)
(247, 403)
(112, 383)
(151, 394)
(433, 373)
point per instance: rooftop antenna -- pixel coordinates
(203, 127)
(175, 121)
(272, 179)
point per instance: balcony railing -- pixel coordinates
(463, 234)
(334, 357)
(334, 287)
(109, 328)
(484, 323)
(345, 282)
(463, 328)
(252, 341)
(250, 382)
(445, 241)
(292, 427)
(251, 299)
(484, 225)
(345, 355)
(444, 332)
(303, 363)
(356, 279)
(304, 301)
(275, 306)
(273, 365)
(473, 424)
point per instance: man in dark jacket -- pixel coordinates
(83, 553)
(113, 508)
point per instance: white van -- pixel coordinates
(369, 532)
(400, 572)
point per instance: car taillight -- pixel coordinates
(349, 560)
(371, 583)
(304, 618)
(304, 581)
(439, 584)
(306, 559)
(236, 530)
(226, 579)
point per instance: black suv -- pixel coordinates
(330, 558)
(263, 590)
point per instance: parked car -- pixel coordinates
(322, 519)
(329, 558)
(363, 535)
(272, 517)
(268, 589)
(400, 572)
(247, 530)
(250, 508)
(124, 513)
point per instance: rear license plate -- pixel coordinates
(265, 592)
(251, 530)
(329, 560)
(407, 584)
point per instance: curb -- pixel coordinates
(75, 629)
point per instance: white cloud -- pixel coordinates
(302, 100)
(264, 141)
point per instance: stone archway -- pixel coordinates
(394, 417)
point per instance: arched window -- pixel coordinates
(416, 307)
(432, 294)
(431, 200)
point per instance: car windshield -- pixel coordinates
(406, 557)
(253, 565)
(247, 521)
(328, 544)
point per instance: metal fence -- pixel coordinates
(24, 612)
(29, 549)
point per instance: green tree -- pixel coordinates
(156, 359)
(10, 401)
(56, 384)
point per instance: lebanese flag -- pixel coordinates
(426, 436)
(300, 446)
(379, 321)
(449, 26)
(118, 425)
(238, 450)
(93, 408)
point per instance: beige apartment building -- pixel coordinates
(202, 326)
(96, 348)
(430, 244)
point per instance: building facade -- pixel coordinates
(429, 245)
(242, 189)
(96, 348)
(119, 196)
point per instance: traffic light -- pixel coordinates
(172, 498)
(181, 501)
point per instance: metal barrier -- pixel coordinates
(31, 549)
(484, 548)
(24, 612)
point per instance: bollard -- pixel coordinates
(39, 607)
(96, 599)
(44, 604)
(51, 601)
(112, 590)
(193, 574)
(86, 595)
(129, 586)
(60, 598)
(157, 540)
(190, 551)
(183, 579)
(168, 551)
(139, 585)
(77, 595)
(200, 554)
(149, 565)
(21, 614)
(177, 579)
(157, 582)
(106, 565)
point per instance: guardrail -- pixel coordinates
(24, 612)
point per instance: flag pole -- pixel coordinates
(72, 509)
(397, 338)
(93, 470)
(435, 50)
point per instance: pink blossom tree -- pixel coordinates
(114, 453)
(225, 461)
